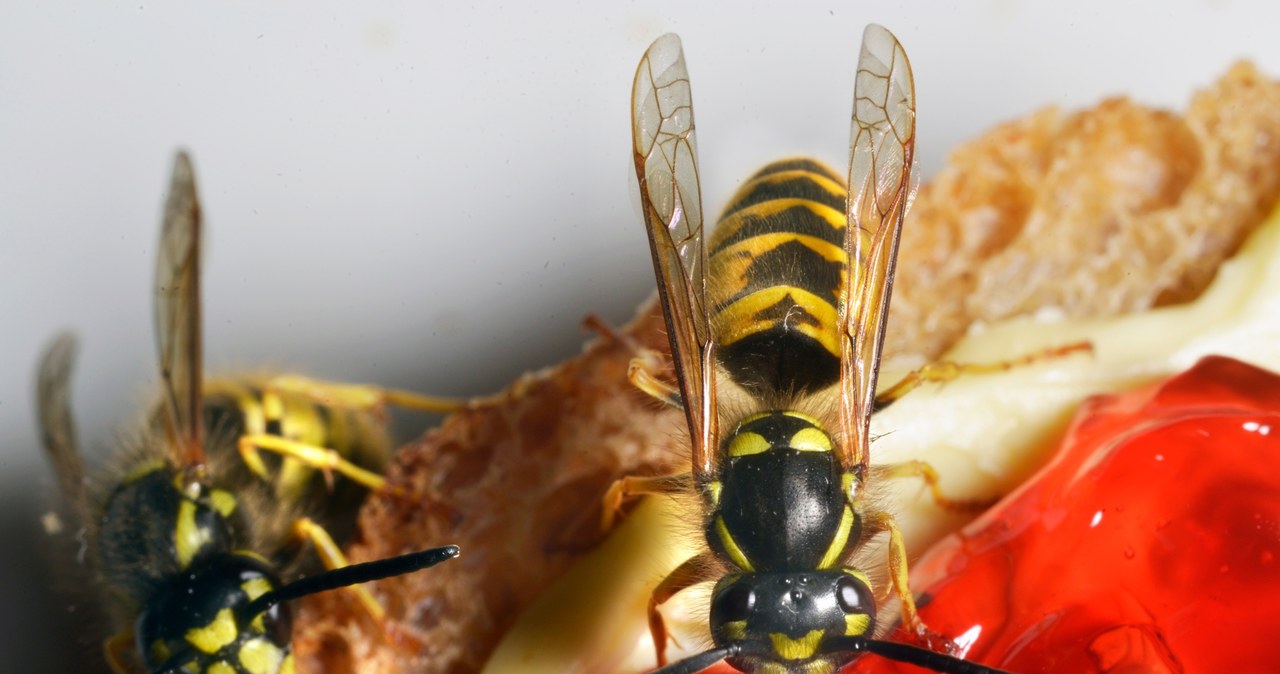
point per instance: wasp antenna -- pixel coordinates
(923, 657)
(912, 655)
(351, 575)
(701, 661)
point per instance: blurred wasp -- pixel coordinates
(776, 333)
(184, 539)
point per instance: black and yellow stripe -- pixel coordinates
(776, 266)
(236, 407)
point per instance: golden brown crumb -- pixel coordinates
(1105, 211)
(1112, 209)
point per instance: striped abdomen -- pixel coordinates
(776, 264)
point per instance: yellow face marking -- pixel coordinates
(218, 633)
(222, 501)
(286, 667)
(835, 551)
(811, 439)
(796, 649)
(219, 668)
(259, 656)
(256, 587)
(856, 624)
(747, 444)
(713, 492)
(731, 547)
(188, 536)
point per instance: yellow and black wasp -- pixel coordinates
(776, 323)
(185, 541)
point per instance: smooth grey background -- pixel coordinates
(431, 195)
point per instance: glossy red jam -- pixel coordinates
(1149, 544)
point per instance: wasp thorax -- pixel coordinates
(782, 502)
(156, 523)
(785, 618)
(196, 621)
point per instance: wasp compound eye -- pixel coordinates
(854, 596)
(733, 604)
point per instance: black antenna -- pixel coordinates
(701, 661)
(912, 655)
(350, 575)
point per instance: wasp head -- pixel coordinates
(199, 620)
(784, 619)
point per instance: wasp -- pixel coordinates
(776, 323)
(186, 543)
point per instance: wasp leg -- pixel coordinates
(926, 472)
(697, 569)
(898, 572)
(640, 374)
(332, 558)
(626, 487)
(321, 458)
(362, 396)
(645, 362)
(945, 370)
(116, 650)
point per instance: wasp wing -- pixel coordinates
(666, 160)
(880, 189)
(177, 315)
(57, 430)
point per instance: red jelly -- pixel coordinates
(1149, 544)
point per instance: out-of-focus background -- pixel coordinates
(432, 195)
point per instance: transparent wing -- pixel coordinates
(667, 168)
(57, 430)
(177, 315)
(880, 189)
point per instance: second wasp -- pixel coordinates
(192, 530)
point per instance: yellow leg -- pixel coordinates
(629, 486)
(332, 558)
(898, 573)
(643, 365)
(320, 458)
(926, 472)
(945, 370)
(361, 396)
(116, 649)
(693, 571)
(640, 374)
